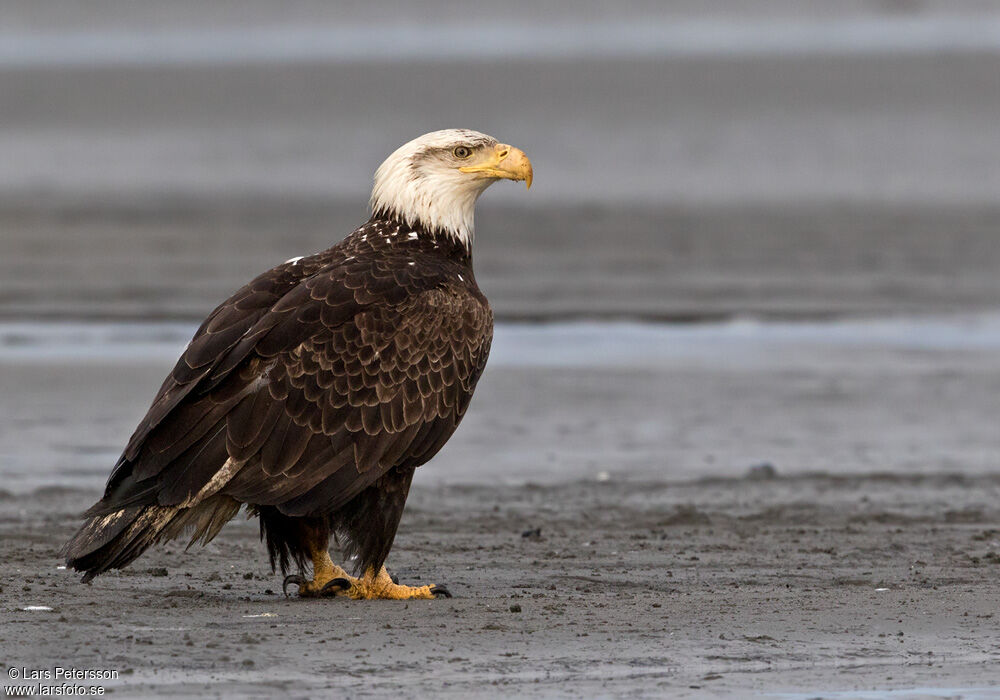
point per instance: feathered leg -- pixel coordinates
(369, 524)
(327, 580)
(310, 537)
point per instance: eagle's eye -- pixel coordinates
(462, 152)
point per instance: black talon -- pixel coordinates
(440, 592)
(394, 578)
(337, 584)
(291, 578)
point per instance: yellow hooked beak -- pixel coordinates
(504, 162)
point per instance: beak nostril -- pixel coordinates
(503, 154)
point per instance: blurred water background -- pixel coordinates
(770, 162)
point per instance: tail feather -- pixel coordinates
(115, 540)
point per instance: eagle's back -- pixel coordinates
(316, 378)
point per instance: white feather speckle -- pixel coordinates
(294, 261)
(411, 263)
(461, 278)
(421, 186)
(413, 236)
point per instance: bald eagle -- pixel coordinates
(312, 394)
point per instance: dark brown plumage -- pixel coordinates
(311, 384)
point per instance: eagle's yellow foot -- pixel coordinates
(327, 580)
(374, 586)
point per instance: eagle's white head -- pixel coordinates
(434, 180)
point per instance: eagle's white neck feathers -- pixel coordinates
(421, 185)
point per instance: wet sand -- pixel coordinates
(178, 259)
(563, 402)
(791, 510)
(797, 512)
(777, 587)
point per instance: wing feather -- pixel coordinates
(310, 383)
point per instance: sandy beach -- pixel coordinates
(814, 586)
(738, 433)
(772, 509)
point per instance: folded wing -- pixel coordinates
(306, 386)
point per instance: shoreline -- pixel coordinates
(760, 586)
(568, 401)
